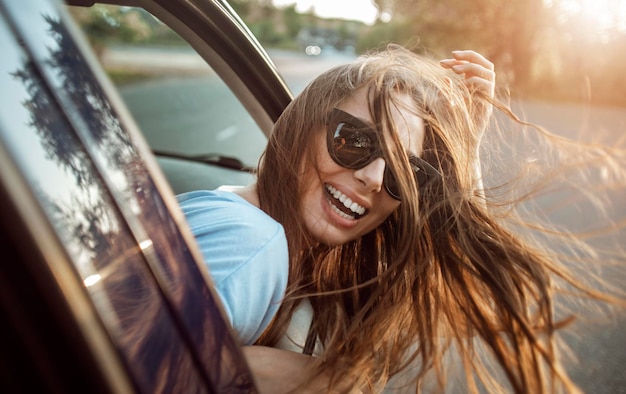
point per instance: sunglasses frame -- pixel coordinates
(424, 172)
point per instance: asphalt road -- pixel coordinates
(598, 341)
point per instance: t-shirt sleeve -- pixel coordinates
(246, 254)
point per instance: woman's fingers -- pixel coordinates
(477, 70)
(482, 84)
(473, 57)
(474, 70)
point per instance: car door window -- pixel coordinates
(203, 137)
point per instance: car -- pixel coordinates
(102, 287)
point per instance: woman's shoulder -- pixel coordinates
(222, 206)
(211, 199)
(246, 253)
(227, 217)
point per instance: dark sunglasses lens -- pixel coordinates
(391, 185)
(424, 172)
(353, 147)
(424, 175)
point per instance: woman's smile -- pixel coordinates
(343, 205)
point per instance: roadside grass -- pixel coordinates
(126, 77)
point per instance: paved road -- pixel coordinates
(600, 346)
(299, 69)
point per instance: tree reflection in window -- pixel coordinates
(93, 227)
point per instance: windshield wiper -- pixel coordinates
(213, 159)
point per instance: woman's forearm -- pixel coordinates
(279, 371)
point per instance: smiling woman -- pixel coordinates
(384, 274)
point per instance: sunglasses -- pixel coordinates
(353, 144)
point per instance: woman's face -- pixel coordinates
(332, 196)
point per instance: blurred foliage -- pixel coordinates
(294, 22)
(284, 27)
(106, 25)
(540, 50)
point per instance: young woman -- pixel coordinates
(369, 242)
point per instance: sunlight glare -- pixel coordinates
(92, 280)
(600, 16)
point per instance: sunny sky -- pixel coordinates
(362, 10)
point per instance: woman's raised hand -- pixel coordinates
(478, 71)
(479, 76)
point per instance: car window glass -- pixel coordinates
(181, 106)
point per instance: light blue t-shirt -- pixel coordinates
(246, 253)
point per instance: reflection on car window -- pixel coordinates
(181, 106)
(79, 208)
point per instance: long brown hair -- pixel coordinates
(443, 271)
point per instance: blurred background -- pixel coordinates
(565, 50)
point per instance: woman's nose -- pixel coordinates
(371, 176)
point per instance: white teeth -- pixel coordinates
(348, 203)
(340, 213)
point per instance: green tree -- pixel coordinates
(241, 7)
(292, 20)
(399, 32)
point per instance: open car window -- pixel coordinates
(202, 135)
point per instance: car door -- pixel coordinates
(104, 289)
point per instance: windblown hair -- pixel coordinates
(449, 270)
